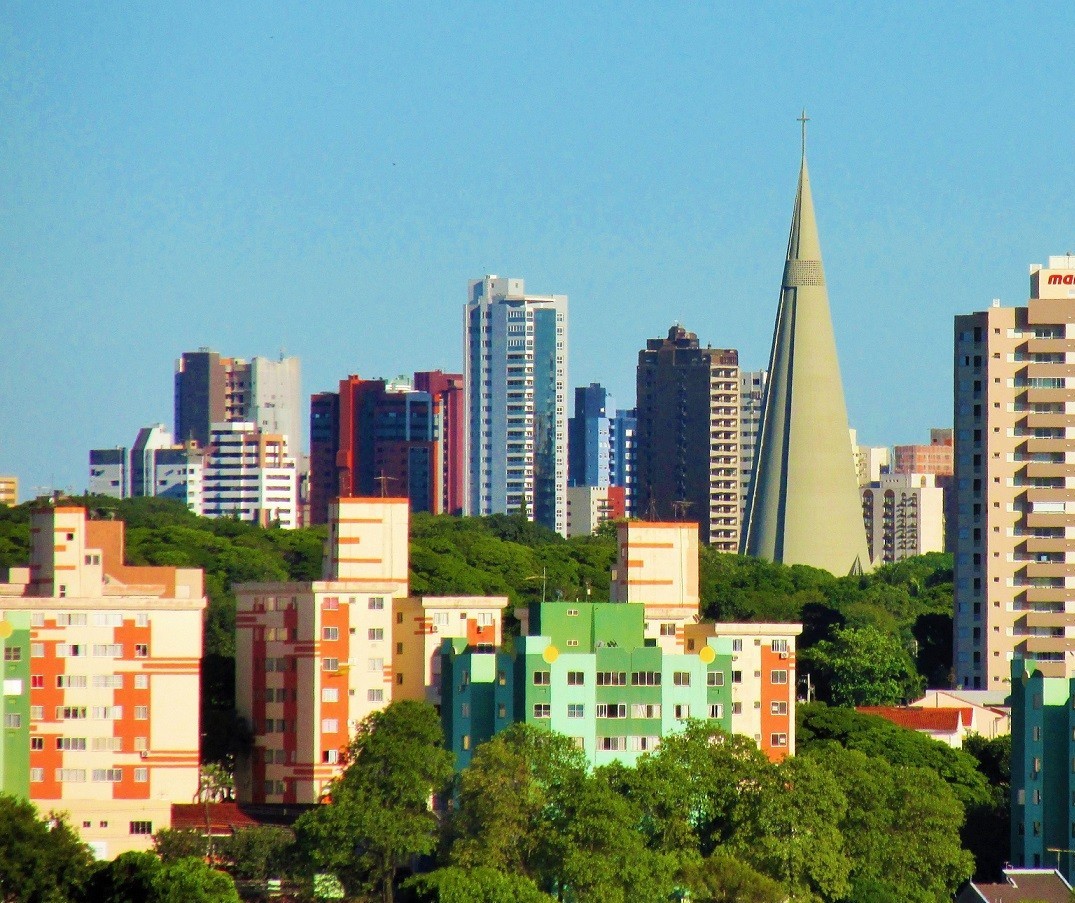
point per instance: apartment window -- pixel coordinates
(440, 618)
(141, 744)
(778, 739)
(330, 633)
(612, 678)
(643, 710)
(12, 653)
(141, 681)
(376, 633)
(646, 678)
(681, 678)
(37, 681)
(330, 725)
(332, 603)
(70, 712)
(141, 713)
(330, 664)
(71, 775)
(141, 775)
(375, 695)
(376, 603)
(37, 650)
(737, 677)
(542, 678)
(668, 630)
(330, 756)
(681, 712)
(330, 694)
(399, 679)
(737, 645)
(575, 678)
(107, 775)
(716, 710)
(737, 708)
(376, 664)
(715, 679)
(572, 642)
(612, 744)
(37, 744)
(611, 710)
(501, 711)
(572, 612)
(37, 713)
(778, 708)
(779, 677)
(12, 720)
(37, 775)
(542, 710)
(143, 827)
(779, 645)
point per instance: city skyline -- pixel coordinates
(250, 188)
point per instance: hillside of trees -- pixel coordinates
(873, 639)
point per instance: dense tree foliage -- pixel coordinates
(41, 859)
(862, 666)
(378, 815)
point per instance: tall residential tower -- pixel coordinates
(1014, 458)
(516, 383)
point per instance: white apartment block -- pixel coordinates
(250, 475)
(516, 383)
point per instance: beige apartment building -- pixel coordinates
(1015, 482)
(101, 678)
(314, 658)
(904, 516)
(9, 490)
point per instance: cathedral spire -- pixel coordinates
(804, 505)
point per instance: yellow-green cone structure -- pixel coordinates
(804, 505)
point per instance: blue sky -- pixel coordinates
(326, 179)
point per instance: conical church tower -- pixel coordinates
(804, 505)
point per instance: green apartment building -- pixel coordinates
(1042, 769)
(587, 671)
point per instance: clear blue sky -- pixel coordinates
(326, 179)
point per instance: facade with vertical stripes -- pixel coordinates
(101, 682)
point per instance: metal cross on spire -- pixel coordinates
(803, 119)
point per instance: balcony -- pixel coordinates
(1036, 469)
(1036, 644)
(1039, 421)
(1035, 446)
(1046, 594)
(1046, 619)
(1036, 544)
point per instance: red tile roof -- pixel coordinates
(1038, 885)
(225, 818)
(933, 720)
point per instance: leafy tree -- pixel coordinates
(987, 832)
(695, 790)
(876, 737)
(720, 878)
(378, 816)
(901, 827)
(258, 853)
(509, 801)
(478, 885)
(41, 861)
(792, 832)
(129, 878)
(173, 844)
(862, 666)
(192, 881)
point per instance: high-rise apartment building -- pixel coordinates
(589, 437)
(101, 675)
(904, 516)
(250, 475)
(937, 458)
(9, 490)
(516, 382)
(153, 466)
(1015, 556)
(450, 412)
(871, 461)
(213, 389)
(687, 451)
(624, 433)
(588, 507)
(751, 402)
(379, 438)
(804, 505)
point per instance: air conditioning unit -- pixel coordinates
(144, 754)
(783, 655)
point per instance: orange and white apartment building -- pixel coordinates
(314, 658)
(101, 682)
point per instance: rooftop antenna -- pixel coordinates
(803, 119)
